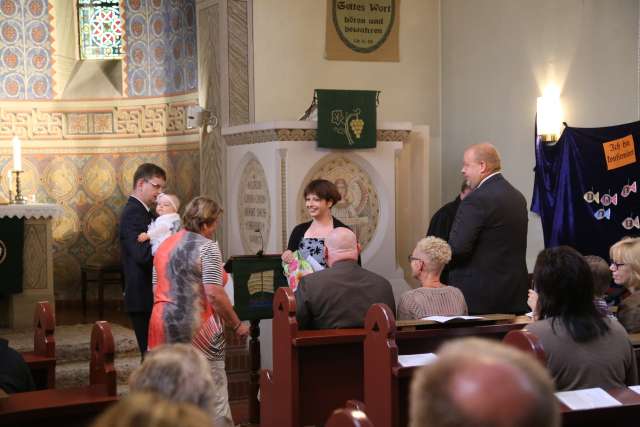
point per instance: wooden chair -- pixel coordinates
(101, 275)
(42, 360)
(74, 406)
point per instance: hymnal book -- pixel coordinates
(444, 319)
(410, 360)
(588, 398)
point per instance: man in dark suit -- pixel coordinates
(442, 221)
(489, 238)
(137, 262)
(339, 296)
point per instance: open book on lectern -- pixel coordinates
(255, 280)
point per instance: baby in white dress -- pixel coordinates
(167, 223)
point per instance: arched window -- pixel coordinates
(101, 29)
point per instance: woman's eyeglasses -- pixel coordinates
(617, 265)
(412, 258)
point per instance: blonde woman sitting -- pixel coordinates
(625, 269)
(433, 298)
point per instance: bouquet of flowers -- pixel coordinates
(296, 270)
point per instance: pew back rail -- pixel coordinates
(73, 406)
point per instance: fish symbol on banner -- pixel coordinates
(591, 197)
(607, 200)
(601, 214)
(630, 222)
(629, 188)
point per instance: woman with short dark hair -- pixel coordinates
(308, 238)
(584, 348)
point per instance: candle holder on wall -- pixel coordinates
(19, 198)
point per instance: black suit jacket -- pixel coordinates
(489, 243)
(440, 226)
(442, 221)
(339, 296)
(137, 262)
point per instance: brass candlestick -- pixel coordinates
(19, 198)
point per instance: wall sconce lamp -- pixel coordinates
(198, 116)
(549, 117)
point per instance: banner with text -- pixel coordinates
(346, 118)
(586, 187)
(362, 30)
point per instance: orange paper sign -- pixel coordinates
(619, 152)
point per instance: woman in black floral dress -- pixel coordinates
(308, 238)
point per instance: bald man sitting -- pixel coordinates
(477, 382)
(339, 296)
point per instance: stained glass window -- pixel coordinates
(101, 29)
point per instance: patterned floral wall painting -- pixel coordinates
(161, 47)
(92, 189)
(26, 71)
(92, 183)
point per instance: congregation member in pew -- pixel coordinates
(476, 382)
(339, 296)
(432, 298)
(15, 376)
(308, 238)
(179, 373)
(601, 281)
(625, 269)
(137, 262)
(190, 303)
(584, 349)
(489, 237)
(442, 221)
(151, 410)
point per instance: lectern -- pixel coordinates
(255, 280)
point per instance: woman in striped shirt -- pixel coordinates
(190, 304)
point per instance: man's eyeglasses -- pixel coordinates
(154, 185)
(617, 265)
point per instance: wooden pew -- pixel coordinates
(527, 342)
(626, 415)
(42, 360)
(635, 342)
(74, 406)
(386, 382)
(314, 372)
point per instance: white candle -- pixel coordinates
(9, 177)
(17, 154)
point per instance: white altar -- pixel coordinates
(16, 311)
(267, 168)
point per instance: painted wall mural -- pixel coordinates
(92, 189)
(161, 47)
(82, 154)
(26, 71)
